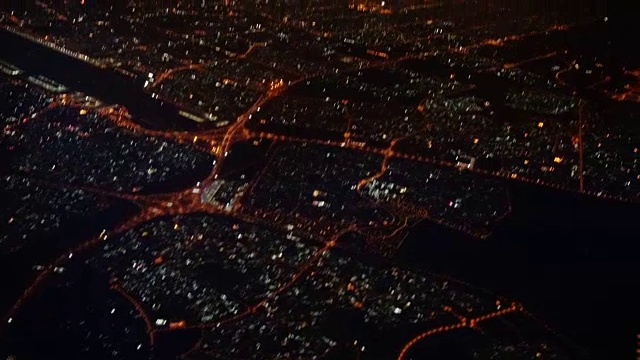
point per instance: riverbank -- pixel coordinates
(569, 259)
(102, 83)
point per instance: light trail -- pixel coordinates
(194, 348)
(561, 73)
(463, 323)
(219, 143)
(32, 117)
(533, 59)
(136, 304)
(251, 48)
(20, 31)
(63, 259)
(581, 125)
(140, 200)
(297, 276)
(169, 73)
(443, 163)
(255, 180)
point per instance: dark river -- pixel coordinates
(572, 261)
(105, 84)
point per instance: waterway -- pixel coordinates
(569, 259)
(105, 84)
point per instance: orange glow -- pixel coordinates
(575, 140)
(158, 260)
(557, 159)
(494, 42)
(540, 124)
(378, 54)
(464, 322)
(220, 141)
(476, 140)
(275, 84)
(177, 325)
(83, 112)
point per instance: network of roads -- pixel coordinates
(310, 192)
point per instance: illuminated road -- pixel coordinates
(464, 323)
(120, 117)
(388, 153)
(581, 126)
(533, 59)
(251, 48)
(20, 31)
(218, 142)
(631, 91)
(254, 308)
(430, 160)
(140, 309)
(169, 73)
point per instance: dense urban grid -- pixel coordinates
(319, 134)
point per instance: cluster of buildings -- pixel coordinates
(76, 146)
(34, 212)
(460, 199)
(200, 269)
(375, 116)
(258, 292)
(314, 188)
